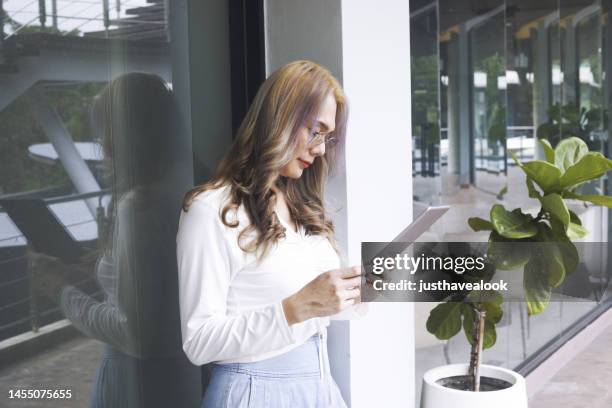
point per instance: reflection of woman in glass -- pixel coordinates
(259, 275)
(138, 318)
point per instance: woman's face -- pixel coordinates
(306, 153)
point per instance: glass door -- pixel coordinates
(488, 96)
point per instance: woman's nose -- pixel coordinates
(318, 150)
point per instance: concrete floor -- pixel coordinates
(71, 365)
(584, 382)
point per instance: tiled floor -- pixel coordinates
(584, 382)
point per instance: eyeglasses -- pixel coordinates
(316, 138)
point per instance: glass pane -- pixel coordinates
(94, 161)
(425, 105)
(488, 89)
(539, 70)
(590, 81)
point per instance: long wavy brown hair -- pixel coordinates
(266, 140)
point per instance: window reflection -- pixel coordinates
(425, 99)
(512, 71)
(93, 167)
(488, 88)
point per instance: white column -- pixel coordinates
(376, 73)
(367, 46)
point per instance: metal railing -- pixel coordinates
(36, 313)
(57, 14)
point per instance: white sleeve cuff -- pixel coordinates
(299, 332)
(286, 331)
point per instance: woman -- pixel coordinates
(137, 319)
(259, 274)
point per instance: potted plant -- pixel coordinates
(550, 259)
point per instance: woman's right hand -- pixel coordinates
(327, 294)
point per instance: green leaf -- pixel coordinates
(575, 231)
(478, 224)
(575, 218)
(494, 311)
(490, 335)
(591, 166)
(468, 321)
(445, 320)
(544, 174)
(514, 224)
(548, 150)
(537, 288)
(485, 296)
(558, 229)
(533, 192)
(507, 254)
(554, 204)
(569, 253)
(597, 199)
(569, 152)
(550, 254)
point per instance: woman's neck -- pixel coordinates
(282, 209)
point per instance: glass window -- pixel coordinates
(95, 157)
(510, 72)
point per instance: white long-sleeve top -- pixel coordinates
(231, 305)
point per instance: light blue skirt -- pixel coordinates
(291, 380)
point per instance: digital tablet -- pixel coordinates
(421, 224)
(42, 229)
(410, 234)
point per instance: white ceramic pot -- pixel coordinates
(435, 395)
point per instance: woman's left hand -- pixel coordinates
(327, 294)
(49, 274)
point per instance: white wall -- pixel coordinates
(376, 71)
(367, 45)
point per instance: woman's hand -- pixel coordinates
(48, 274)
(327, 294)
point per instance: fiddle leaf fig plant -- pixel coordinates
(550, 255)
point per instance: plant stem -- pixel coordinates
(476, 354)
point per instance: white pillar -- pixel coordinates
(367, 46)
(376, 73)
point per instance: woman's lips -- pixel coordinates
(304, 164)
